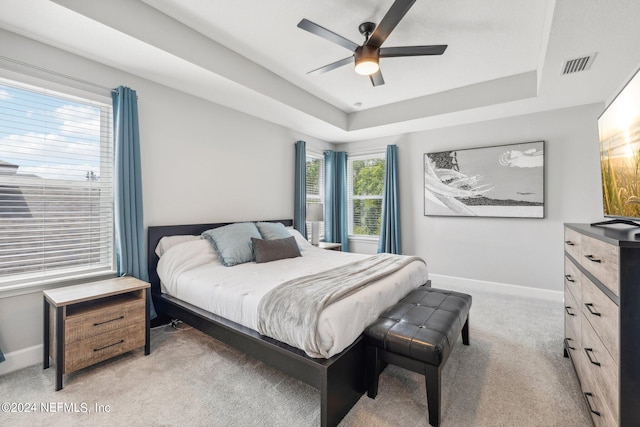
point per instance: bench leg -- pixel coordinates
(465, 332)
(373, 371)
(432, 378)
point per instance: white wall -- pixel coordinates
(201, 162)
(524, 252)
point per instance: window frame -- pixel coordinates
(25, 283)
(316, 155)
(351, 197)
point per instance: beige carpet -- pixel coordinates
(513, 374)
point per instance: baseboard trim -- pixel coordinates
(21, 359)
(463, 284)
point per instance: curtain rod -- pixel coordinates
(55, 73)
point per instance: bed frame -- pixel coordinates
(341, 379)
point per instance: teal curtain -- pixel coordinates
(300, 198)
(336, 226)
(130, 242)
(390, 226)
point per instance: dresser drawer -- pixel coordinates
(572, 278)
(600, 412)
(582, 370)
(102, 347)
(116, 314)
(601, 260)
(572, 317)
(602, 366)
(572, 243)
(602, 314)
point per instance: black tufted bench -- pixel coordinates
(418, 333)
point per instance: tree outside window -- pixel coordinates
(366, 182)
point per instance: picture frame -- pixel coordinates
(495, 181)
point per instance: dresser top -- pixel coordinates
(624, 236)
(88, 291)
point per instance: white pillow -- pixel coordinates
(302, 242)
(168, 242)
(184, 257)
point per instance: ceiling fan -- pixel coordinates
(367, 56)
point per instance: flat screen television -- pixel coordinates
(619, 134)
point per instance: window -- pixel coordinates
(365, 176)
(315, 186)
(56, 187)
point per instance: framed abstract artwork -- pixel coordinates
(497, 181)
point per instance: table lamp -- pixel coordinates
(315, 214)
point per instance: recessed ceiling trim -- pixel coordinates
(498, 91)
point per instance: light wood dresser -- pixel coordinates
(93, 322)
(602, 319)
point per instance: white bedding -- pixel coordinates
(192, 272)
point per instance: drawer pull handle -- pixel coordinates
(107, 321)
(566, 343)
(107, 346)
(588, 352)
(569, 243)
(566, 308)
(592, 258)
(591, 310)
(569, 278)
(586, 397)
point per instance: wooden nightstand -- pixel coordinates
(93, 322)
(330, 246)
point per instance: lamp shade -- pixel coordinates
(315, 212)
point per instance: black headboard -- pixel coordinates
(155, 233)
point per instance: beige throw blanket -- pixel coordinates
(290, 311)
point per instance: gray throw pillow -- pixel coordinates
(233, 242)
(272, 250)
(272, 230)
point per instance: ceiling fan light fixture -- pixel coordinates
(367, 67)
(366, 59)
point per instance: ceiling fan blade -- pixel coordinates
(316, 29)
(376, 78)
(395, 13)
(390, 52)
(332, 66)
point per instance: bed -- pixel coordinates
(337, 372)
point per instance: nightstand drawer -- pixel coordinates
(86, 352)
(91, 322)
(117, 313)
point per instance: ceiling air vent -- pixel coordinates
(575, 65)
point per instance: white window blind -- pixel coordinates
(56, 185)
(365, 184)
(315, 186)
